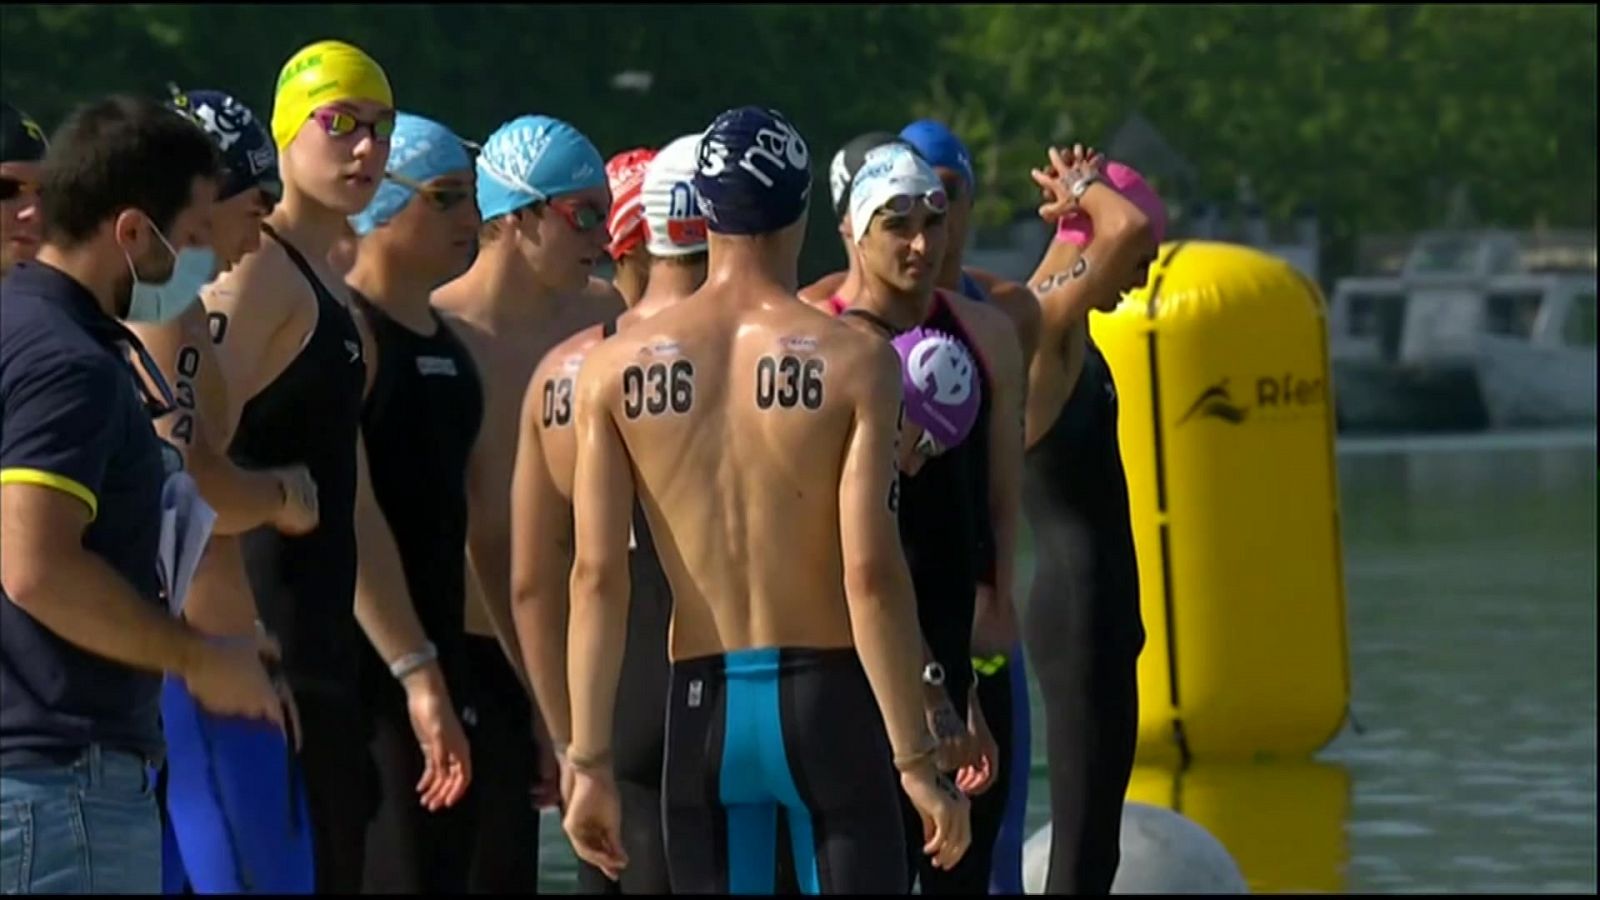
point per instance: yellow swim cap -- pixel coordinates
(323, 73)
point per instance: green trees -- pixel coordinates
(1373, 114)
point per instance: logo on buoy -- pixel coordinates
(1214, 402)
(1277, 398)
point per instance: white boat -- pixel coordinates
(1465, 336)
(1536, 354)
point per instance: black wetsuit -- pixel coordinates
(638, 743)
(1083, 628)
(420, 423)
(946, 532)
(305, 586)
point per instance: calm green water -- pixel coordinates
(1470, 570)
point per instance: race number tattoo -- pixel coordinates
(218, 324)
(557, 402)
(655, 389)
(183, 393)
(787, 381)
(1078, 270)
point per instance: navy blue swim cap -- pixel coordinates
(753, 172)
(249, 157)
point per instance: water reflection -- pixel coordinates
(1283, 821)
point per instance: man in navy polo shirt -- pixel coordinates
(84, 630)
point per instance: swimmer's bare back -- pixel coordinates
(736, 411)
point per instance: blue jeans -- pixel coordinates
(85, 827)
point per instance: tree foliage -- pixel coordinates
(1372, 114)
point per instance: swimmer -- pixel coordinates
(204, 751)
(755, 432)
(424, 406)
(22, 147)
(997, 652)
(674, 235)
(1083, 624)
(293, 359)
(964, 382)
(625, 174)
(544, 200)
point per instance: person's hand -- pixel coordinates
(594, 821)
(955, 747)
(228, 677)
(945, 813)
(1056, 180)
(299, 513)
(978, 777)
(447, 758)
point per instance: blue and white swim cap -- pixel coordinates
(419, 150)
(753, 172)
(534, 158)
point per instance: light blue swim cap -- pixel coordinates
(420, 149)
(534, 158)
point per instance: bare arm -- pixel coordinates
(74, 593)
(602, 501)
(541, 561)
(877, 581)
(182, 350)
(383, 602)
(1070, 281)
(489, 557)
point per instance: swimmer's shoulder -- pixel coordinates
(569, 353)
(267, 279)
(987, 322)
(819, 292)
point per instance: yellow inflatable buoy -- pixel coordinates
(1227, 435)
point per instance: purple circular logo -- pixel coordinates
(941, 384)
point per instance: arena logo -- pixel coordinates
(1275, 397)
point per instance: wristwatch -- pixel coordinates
(933, 675)
(1081, 186)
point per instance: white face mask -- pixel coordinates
(191, 270)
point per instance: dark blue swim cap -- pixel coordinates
(940, 147)
(753, 172)
(248, 154)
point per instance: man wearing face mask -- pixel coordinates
(84, 628)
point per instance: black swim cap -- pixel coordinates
(21, 138)
(753, 172)
(847, 162)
